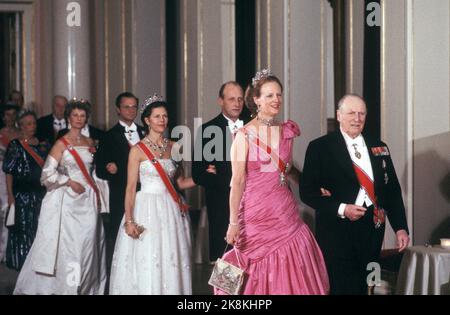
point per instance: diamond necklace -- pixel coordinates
(267, 122)
(155, 147)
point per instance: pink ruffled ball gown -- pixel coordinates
(276, 248)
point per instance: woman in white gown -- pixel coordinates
(68, 254)
(158, 261)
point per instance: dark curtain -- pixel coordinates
(372, 85)
(245, 44)
(7, 55)
(245, 40)
(173, 66)
(339, 39)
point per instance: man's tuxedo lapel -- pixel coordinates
(119, 131)
(339, 150)
(141, 132)
(92, 133)
(222, 122)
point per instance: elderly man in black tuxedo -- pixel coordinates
(111, 160)
(215, 174)
(49, 126)
(349, 179)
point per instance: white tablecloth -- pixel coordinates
(425, 271)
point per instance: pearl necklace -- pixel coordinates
(155, 147)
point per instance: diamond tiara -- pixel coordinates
(152, 99)
(261, 75)
(81, 100)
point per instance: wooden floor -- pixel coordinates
(201, 275)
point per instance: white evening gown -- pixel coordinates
(68, 254)
(160, 262)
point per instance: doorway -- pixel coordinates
(10, 61)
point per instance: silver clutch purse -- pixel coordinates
(227, 277)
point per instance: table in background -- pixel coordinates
(424, 271)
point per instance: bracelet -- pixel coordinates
(233, 224)
(128, 223)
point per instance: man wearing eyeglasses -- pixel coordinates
(111, 160)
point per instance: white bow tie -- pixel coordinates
(130, 129)
(235, 126)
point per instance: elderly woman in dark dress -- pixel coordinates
(22, 165)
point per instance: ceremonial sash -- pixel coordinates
(5, 141)
(367, 184)
(83, 170)
(275, 158)
(176, 197)
(33, 154)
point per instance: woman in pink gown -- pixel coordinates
(271, 243)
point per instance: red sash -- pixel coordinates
(273, 156)
(83, 170)
(33, 154)
(176, 197)
(5, 141)
(367, 184)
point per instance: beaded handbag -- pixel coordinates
(227, 277)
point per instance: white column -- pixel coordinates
(207, 55)
(355, 22)
(207, 60)
(71, 49)
(297, 50)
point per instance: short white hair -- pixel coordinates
(341, 102)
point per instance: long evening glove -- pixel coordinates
(51, 177)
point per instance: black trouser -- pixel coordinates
(111, 226)
(218, 218)
(347, 266)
